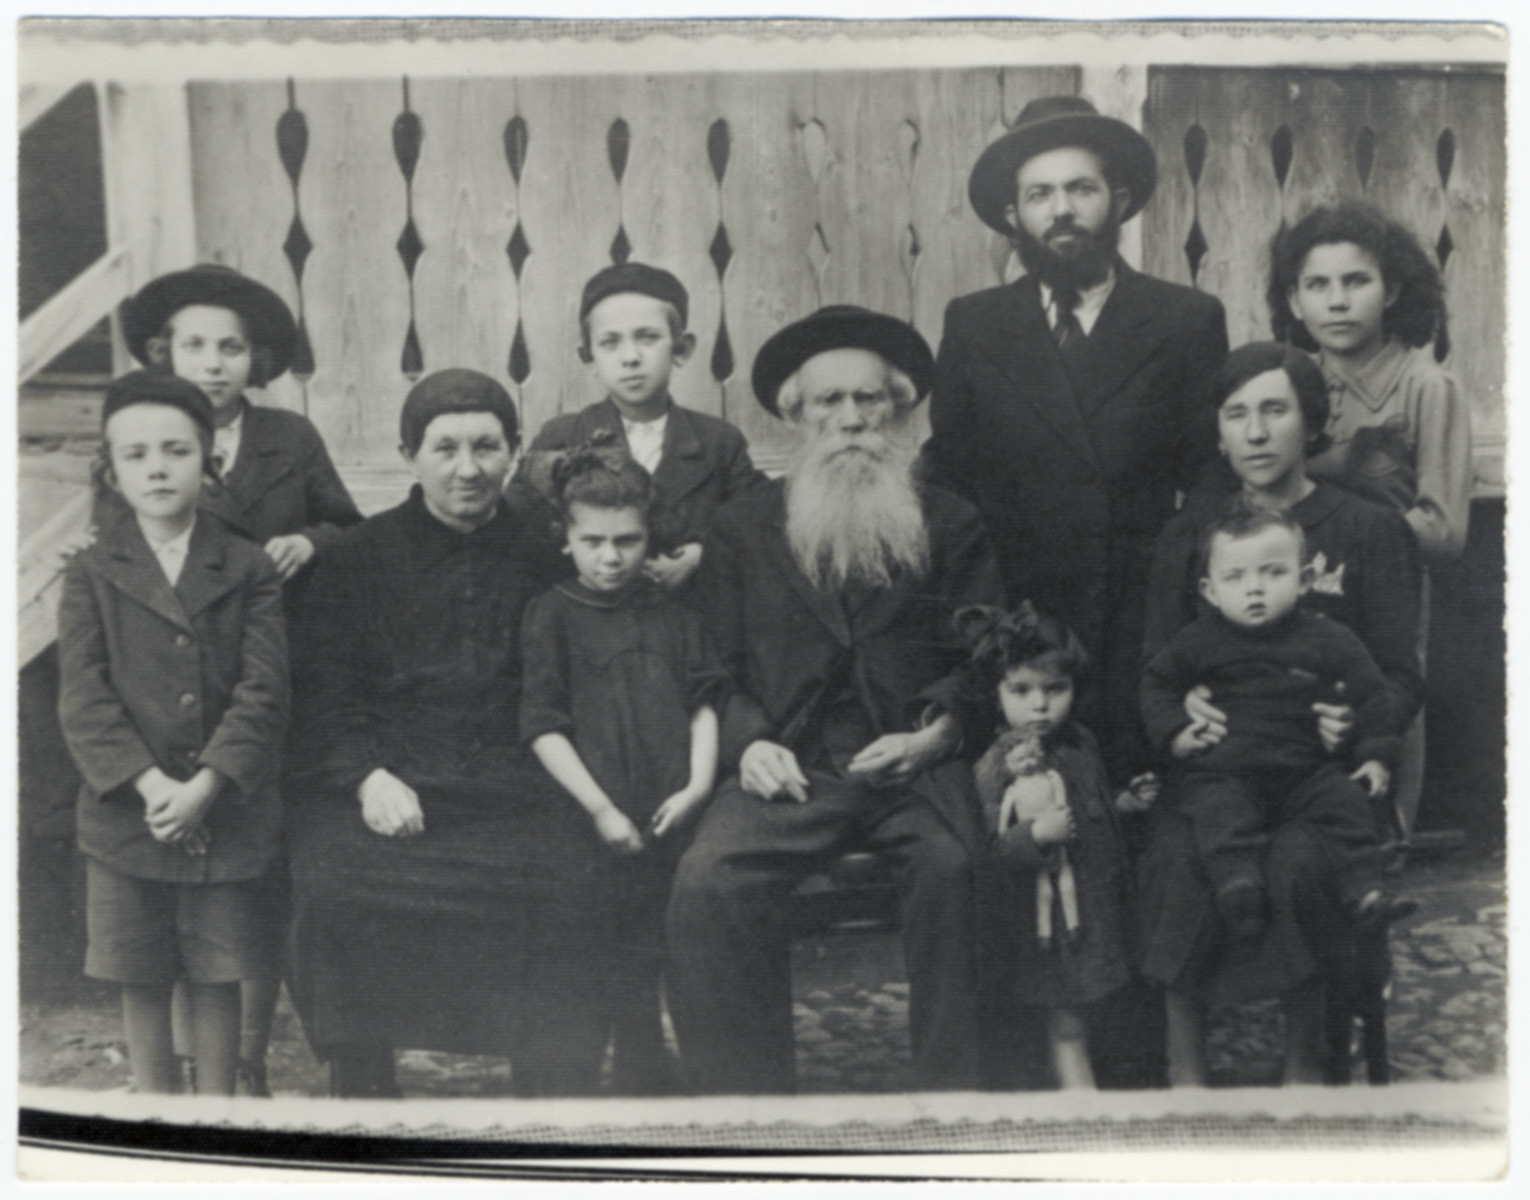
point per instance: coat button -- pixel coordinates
(188, 699)
(191, 756)
(183, 639)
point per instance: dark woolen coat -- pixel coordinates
(177, 678)
(705, 463)
(409, 660)
(1074, 477)
(782, 639)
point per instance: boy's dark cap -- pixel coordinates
(267, 319)
(840, 327)
(635, 277)
(454, 390)
(149, 387)
(1045, 124)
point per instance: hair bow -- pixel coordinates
(602, 451)
(989, 631)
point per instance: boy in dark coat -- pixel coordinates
(173, 700)
(633, 333)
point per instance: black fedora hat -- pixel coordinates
(841, 327)
(1045, 124)
(268, 320)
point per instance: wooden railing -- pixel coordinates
(146, 172)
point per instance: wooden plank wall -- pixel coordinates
(770, 195)
(1335, 123)
(828, 188)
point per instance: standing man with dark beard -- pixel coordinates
(1066, 409)
(829, 595)
(1065, 402)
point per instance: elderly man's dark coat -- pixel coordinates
(1075, 473)
(782, 639)
(874, 658)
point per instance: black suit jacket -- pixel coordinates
(705, 462)
(1074, 477)
(783, 640)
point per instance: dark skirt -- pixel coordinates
(1187, 948)
(483, 935)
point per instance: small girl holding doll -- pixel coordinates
(1359, 291)
(1055, 882)
(173, 701)
(619, 702)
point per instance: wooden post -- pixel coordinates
(146, 171)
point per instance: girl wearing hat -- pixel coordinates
(273, 478)
(224, 332)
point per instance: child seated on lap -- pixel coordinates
(1267, 661)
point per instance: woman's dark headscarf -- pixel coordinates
(454, 390)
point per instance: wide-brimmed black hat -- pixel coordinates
(268, 321)
(840, 327)
(1050, 122)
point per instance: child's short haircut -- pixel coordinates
(643, 280)
(999, 641)
(1415, 318)
(1243, 520)
(601, 474)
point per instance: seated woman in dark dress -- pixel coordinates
(436, 906)
(1271, 411)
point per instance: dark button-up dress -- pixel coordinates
(409, 661)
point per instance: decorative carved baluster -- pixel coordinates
(1196, 246)
(1365, 154)
(719, 147)
(517, 138)
(292, 148)
(618, 143)
(1282, 151)
(815, 148)
(1444, 161)
(408, 134)
(908, 143)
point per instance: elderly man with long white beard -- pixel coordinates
(829, 595)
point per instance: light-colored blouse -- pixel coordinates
(1402, 434)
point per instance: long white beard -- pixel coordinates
(856, 515)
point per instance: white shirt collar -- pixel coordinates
(171, 554)
(645, 439)
(226, 440)
(1090, 302)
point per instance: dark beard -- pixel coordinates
(1088, 264)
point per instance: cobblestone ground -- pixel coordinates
(1446, 1021)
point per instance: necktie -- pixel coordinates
(1068, 333)
(1067, 329)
